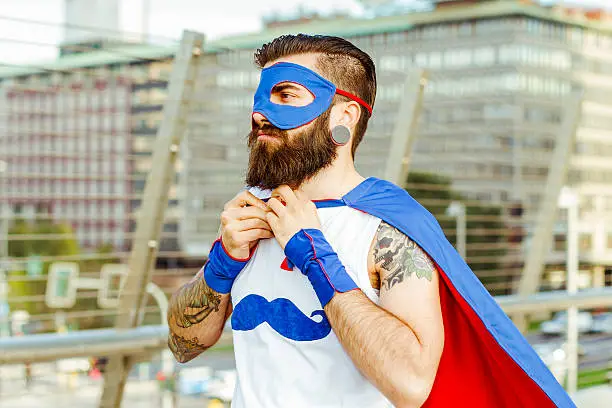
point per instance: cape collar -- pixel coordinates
(367, 186)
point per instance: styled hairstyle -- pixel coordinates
(341, 62)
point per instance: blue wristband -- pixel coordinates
(314, 257)
(221, 268)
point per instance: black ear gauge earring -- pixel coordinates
(341, 135)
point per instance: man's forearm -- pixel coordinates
(383, 347)
(196, 316)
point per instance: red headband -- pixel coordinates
(355, 98)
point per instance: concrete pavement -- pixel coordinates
(86, 394)
(594, 397)
(146, 395)
(50, 390)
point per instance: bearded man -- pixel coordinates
(343, 290)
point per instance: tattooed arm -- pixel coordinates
(196, 316)
(397, 344)
(197, 312)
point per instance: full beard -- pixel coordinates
(289, 160)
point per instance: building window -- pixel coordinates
(559, 243)
(498, 111)
(455, 58)
(389, 93)
(378, 39)
(420, 59)
(465, 29)
(395, 38)
(542, 114)
(395, 62)
(575, 35)
(534, 26)
(435, 60)
(487, 26)
(158, 95)
(484, 56)
(140, 72)
(585, 242)
(140, 97)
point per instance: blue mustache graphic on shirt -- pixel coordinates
(282, 315)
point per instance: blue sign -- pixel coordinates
(5, 310)
(34, 266)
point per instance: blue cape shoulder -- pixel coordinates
(396, 207)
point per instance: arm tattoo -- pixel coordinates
(185, 349)
(400, 257)
(194, 303)
(189, 306)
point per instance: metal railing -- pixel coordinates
(105, 342)
(150, 339)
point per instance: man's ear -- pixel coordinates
(351, 115)
(346, 114)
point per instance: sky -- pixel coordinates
(23, 42)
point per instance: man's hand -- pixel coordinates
(243, 224)
(297, 213)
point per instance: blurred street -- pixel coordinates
(50, 388)
(138, 394)
(596, 349)
(596, 397)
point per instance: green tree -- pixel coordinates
(50, 243)
(485, 225)
(48, 239)
(87, 300)
(101, 257)
(36, 239)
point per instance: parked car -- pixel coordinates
(558, 324)
(602, 323)
(194, 380)
(223, 385)
(555, 355)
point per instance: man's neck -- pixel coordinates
(332, 182)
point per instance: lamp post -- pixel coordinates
(4, 214)
(168, 367)
(4, 288)
(569, 201)
(456, 209)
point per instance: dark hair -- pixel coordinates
(349, 68)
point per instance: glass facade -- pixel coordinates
(66, 142)
(494, 104)
(493, 109)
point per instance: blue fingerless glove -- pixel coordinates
(313, 255)
(221, 268)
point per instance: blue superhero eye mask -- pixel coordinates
(287, 116)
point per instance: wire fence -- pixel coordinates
(74, 179)
(76, 145)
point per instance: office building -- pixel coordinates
(78, 144)
(79, 131)
(66, 143)
(500, 74)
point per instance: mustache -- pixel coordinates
(282, 315)
(268, 130)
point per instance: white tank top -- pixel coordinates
(286, 353)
